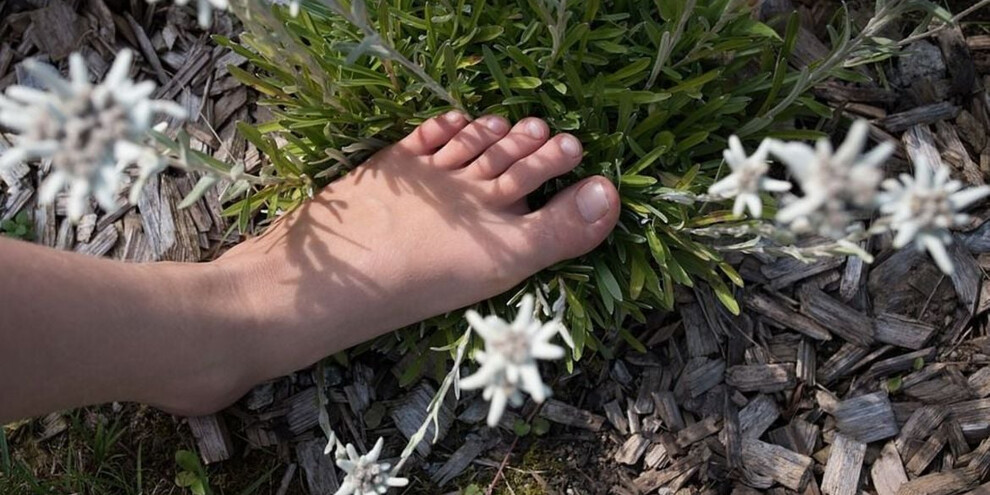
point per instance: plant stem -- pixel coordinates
(955, 20)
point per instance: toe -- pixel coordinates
(433, 133)
(556, 157)
(525, 138)
(472, 141)
(574, 222)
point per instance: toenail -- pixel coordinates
(570, 145)
(592, 202)
(496, 124)
(453, 117)
(534, 129)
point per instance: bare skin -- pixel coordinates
(435, 222)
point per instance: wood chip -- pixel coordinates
(755, 419)
(666, 406)
(845, 461)
(799, 436)
(321, 478)
(784, 466)
(943, 483)
(887, 472)
(473, 446)
(921, 115)
(410, 413)
(700, 339)
(212, 438)
(923, 421)
(766, 378)
(101, 244)
(698, 431)
(785, 317)
(632, 450)
(699, 376)
(925, 454)
(902, 331)
(866, 418)
(839, 363)
(851, 325)
(565, 414)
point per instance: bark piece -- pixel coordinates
(973, 417)
(923, 421)
(902, 331)
(925, 454)
(410, 413)
(100, 245)
(966, 276)
(844, 321)
(565, 414)
(766, 378)
(212, 438)
(632, 450)
(666, 406)
(785, 317)
(699, 376)
(888, 472)
(866, 418)
(921, 115)
(757, 416)
(979, 382)
(839, 363)
(613, 412)
(649, 384)
(901, 363)
(807, 362)
(784, 466)
(799, 436)
(787, 270)
(474, 445)
(845, 461)
(321, 478)
(701, 341)
(944, 483)
(698, 431)
(653, 480)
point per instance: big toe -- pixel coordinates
(574, 222)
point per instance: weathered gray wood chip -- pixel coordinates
(766, 378)
(866, 418)
(845, 462)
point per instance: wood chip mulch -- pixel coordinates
(839, 377)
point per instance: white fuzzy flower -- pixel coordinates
(747, 179)
(91, 133)
(923, 208)
(834, 183)
(508, 363)
(365, 476)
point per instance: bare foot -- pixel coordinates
(434, 223)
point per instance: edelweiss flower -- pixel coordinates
(923, 208)
(834, 184)
(90, 133)
(747, 178)
(508, 363)
(365, 476)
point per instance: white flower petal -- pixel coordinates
(936, 248)
(963, 199)
(497, 407)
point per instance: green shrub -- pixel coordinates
(652, 89)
